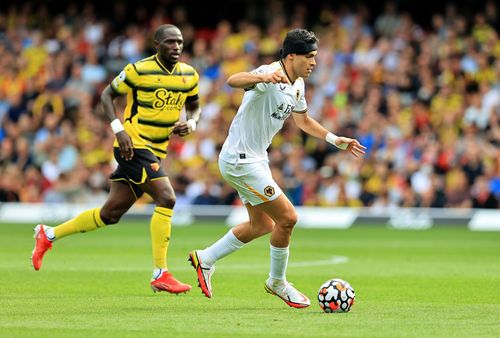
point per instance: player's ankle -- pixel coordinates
(277, 279)
(49, 233)
(157, 272)
(205, 259)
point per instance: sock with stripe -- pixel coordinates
(160, 227)
(87, 221)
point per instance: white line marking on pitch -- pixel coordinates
(304, 264)
(331, 261)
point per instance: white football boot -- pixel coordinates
(287, 293)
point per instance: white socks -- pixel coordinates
(223, 247)
(279, 262)
(229, 243)
(157, 272)
(49, 232)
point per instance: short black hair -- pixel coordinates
(299, 41)
(161, 31)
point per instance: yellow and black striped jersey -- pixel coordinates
(155, 97)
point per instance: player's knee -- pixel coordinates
(288, 220)
(111, 217)
(166, 200)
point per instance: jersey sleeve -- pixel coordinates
(125, 81)
(301, 106)
(261, 86)
(193, 92)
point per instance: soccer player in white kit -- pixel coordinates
(272, 93)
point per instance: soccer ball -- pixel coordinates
(336, 295)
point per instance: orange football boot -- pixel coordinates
(167, 282)
(42, 244)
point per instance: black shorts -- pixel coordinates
(144, 166)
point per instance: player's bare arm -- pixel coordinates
(125, 143)
(247, 80)
(313, 128)
(193, 114)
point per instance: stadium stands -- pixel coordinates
(424, 100)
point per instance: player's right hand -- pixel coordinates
(351, 145)
(276, 77)
(182, 128)
(126, 145)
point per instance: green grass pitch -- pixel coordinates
(443, 282)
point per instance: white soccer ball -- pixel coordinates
(336, 295)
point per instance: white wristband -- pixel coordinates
(192, 123)
(331, 138)
(117, 126)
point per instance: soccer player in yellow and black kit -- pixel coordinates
(157, 88)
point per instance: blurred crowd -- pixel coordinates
(424, 100)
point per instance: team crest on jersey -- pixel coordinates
(120, 78)
(269, 191)
(155, 166)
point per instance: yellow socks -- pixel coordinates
(160, 227)
(87, 221)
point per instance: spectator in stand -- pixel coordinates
(417, 97)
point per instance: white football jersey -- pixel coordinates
(263, 110)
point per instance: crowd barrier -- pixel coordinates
(309, 217)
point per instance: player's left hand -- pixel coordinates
(351, 145)
(182, 128)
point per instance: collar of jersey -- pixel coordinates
(158, 61)
(284, 71)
